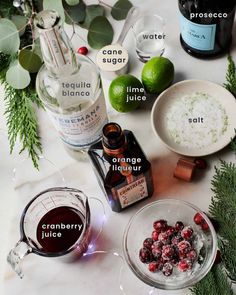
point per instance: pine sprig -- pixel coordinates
(215, 283)
(21, 116)
(231, 77)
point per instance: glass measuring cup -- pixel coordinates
(44, 203)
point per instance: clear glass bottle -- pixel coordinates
(69, 85)
(122, 169)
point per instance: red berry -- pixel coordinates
(184, 265)
(205, 226)
(192, 255)
(147, 243)
(187, 232)
(168, 252)
(174, 261)
(83, 50)
(156, 252)
(198, 219)
(167, 269)
(145, 255)
(175, 240)
(179, 225)
(157, 244)
(155, 235)
(200, 163)
(170, 231)
(184, 247)
(153, 266)
(164, 238)
(218, 258)
(160, 225)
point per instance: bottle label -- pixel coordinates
(133, 192)
(81, 128)
(201, 37)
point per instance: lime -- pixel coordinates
(126, 93)
(157, 74)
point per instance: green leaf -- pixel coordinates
(92, 11)
(72, 2)
(120, 9)
(76, 13)
(20, 21)
(55, 5)
(9, 37)
(17, 77)
(100, 32)
(29, 60)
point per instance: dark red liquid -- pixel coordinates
(63, 238)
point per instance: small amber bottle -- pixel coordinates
(121, 167)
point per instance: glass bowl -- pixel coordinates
(140, 227)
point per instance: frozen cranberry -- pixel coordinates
(83, 50)
(198, 219)
(145, 255)
(153, 266)
(156, 252)
(170, 231)
(157, 244)
(175, 240)
(155, 235)
(160, 225)
(164, 238)
(167, 269)
(147, 243)
(184, 247)
(168, 252)
(179, 225)
(174, 261)
(192, 255)
(187, 232)
(184, 265)
(200, 163)
(205, 226)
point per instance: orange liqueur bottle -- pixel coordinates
(121, 167)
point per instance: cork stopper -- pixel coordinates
(185, 169)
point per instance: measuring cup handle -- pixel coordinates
(16, 255)
(130, 19)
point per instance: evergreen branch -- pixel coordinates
(214, 283)
(231, 76)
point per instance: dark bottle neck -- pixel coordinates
(113, 139)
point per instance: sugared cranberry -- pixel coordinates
(184, 265)
(179, 225)
(155, 235)
(164, 238)
(160, 225)
(145, 255)
(184, 247)
(167, 269)
(168, 252)
(175, 240)
(174, 261)
(156, 252)
(147, 243)
(192, 255)
(83, 50)
(187, 232)
(218, 258)
(205, 226)
(153, 266)
(170, 231)
(200, 163)
(198, 219)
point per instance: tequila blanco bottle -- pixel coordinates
(69, 85)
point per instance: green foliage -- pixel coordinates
(76, 13)
(231, 77)
(55, 5)
(214, 283)
(100, 32)
(92, 11)
(120, 9)
(29, 60)
(9, 37)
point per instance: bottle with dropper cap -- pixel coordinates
(69, 85)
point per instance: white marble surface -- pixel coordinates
(49, 277)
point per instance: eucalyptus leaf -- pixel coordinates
(76, 13)
(72, 2)
(100, 32)
(20, 21)
(29, 60)
(120, 9)
(9, 37)
(54, 5)
(92, 11)
(17, 77)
